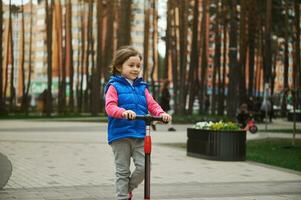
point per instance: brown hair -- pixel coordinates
(122, 55)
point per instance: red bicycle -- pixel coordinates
(251, 126)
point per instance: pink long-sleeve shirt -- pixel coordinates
(113, 110)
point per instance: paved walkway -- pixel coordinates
(72, 161)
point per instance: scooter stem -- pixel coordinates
(147, 151)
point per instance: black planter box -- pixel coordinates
(217, 145)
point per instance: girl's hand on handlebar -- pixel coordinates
(166, 117)
(129, 114)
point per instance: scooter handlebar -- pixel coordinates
(148, 118)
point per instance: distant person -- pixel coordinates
(207, 103)
(251, 105)
(127, 95)
(165, 100)
(243, 115)
(266, 107)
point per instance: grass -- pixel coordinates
(56, 117)
(177, 119)
(289, 131)
(192, 119)
(271, 151)
(277, 152)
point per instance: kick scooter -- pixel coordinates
(147, 150)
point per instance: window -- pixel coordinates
(40, 22)
(40, 43)
(41, 11)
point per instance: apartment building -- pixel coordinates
(35, 14)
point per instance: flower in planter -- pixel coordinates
(203, 125)
(216, 125)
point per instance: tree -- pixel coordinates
(297, 72)
(286, 61)
(296, 69)
(217, 58)
(59, 55)
(267, 61)
(125, 20)
(89, 58)
(154, 45)
(1, 63)
(183, 33)
(167, 40)
(69, 53)
(221, 101)
(109, 36)
(204, 56)
(49, 14)
(252, 29)
(194, 58)
(233, 90)
(12, 9)
(243, 51)
(23, 103)
(146, 39)
(26, 104)
(96, 73)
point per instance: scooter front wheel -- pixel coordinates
(253, 129)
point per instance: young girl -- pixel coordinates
(127, 96)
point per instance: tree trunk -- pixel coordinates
(49, 14)
(194, 57)
(221, 103)
(2, 105)
(89, 58)
(204, 60)
(7, 54)
(217, 61)
(82, 71)
(61, 56)
(267, 61)
(23, 102)
(125, 20)
(29, 63)
(167, 40)
(69, 54)
(297, 67)
(155, 55)
(146, 40)
(242, 54)
(286, 64)
(12, 69)
(109, 37)
(174, 52)
(251, 37)
(183, 26)
(233, 90)
(97, 101)
(296, 70)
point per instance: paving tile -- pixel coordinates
(75, 162)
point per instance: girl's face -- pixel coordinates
(131, 68)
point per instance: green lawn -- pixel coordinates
(56, 117)
(289, 131)
(271, 151)
(278, 152)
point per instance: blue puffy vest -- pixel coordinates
(130, 97)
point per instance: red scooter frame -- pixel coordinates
(147, 150)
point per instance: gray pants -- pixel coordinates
(123, 150)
